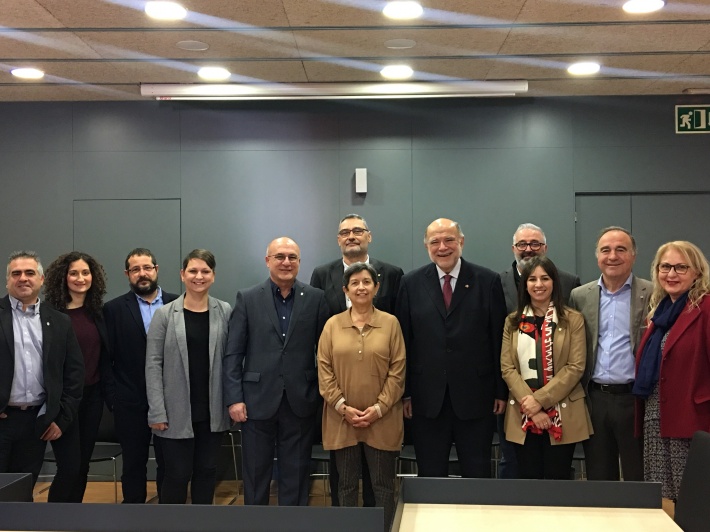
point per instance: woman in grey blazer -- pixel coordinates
(183, 373)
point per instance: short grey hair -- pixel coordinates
(356, 217)
(25, 254)
(532, 227)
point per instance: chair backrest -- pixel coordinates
(107, 428)
(692, 511)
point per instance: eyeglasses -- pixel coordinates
(280, 257)
(357, 231)
(521, 246)
(680, 269)
(137, 269)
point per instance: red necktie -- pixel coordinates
(448, 292)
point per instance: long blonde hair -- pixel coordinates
(695, 259)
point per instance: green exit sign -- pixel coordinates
(692, 118)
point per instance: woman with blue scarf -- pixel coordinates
(673, 363)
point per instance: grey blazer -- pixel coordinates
(167, 373)
(586, 300)
(568, 281)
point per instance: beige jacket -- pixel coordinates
(365, 369)
(569, 352)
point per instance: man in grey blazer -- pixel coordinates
(614, 309)
(354, 237)
(270, 376)
(528, 241)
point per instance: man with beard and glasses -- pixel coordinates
(127, 320)
(528, 241)
(354, 238)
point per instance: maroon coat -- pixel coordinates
(684, 376)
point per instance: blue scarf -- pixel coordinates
(650, 365)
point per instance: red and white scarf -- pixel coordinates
(530, 342)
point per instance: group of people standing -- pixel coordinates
(433, 346)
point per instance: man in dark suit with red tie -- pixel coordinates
(452, 314)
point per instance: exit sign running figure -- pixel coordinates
(692, 119)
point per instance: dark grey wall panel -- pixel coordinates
(35, 127)
(126, 175)
(490, 192)
(109, 229)
(658, 219)
(36, 203)
(387, 206)
(256, 130)
(642, 169)
(375, 126)
(123, 126)
(235, 203)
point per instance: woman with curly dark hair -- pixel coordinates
(75, 283)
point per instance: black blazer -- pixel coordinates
(568, 282)
(127, 339)
(459, 348)
(329, 278)
(260, 363)
(62, 364)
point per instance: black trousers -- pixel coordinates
(73, 450)
(380, 464)
(134, 435)
(193, 461)
(291, 437)
(613, 421)
(539, 459)
(433, 439)
(21, 449)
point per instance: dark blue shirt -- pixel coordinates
(284, 307)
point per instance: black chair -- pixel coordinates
(321, 467)
(235, 443)
(692, 511)
(106, 449)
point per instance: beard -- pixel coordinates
(522, 261)
(144, 290)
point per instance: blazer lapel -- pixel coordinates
(268, 302)
(6, 324)
(336, 277)
(593, 313)
(178, 319)
(684, 321)
(463, 286)
(132, 305)
(47, 336)
(298, 304)
(214, 329)
(639, 307)
(433, 287)
(558, 341)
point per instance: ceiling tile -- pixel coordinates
(69, 93)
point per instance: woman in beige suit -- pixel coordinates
(543, 358)
(361, 361)
(183, 374)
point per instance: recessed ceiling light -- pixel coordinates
(165, 10)
(584, 68)
(214, 73)
(402, 10)
(400, 44)
(27, 73)
(193, 46)
(396, 72)
(643, 6)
